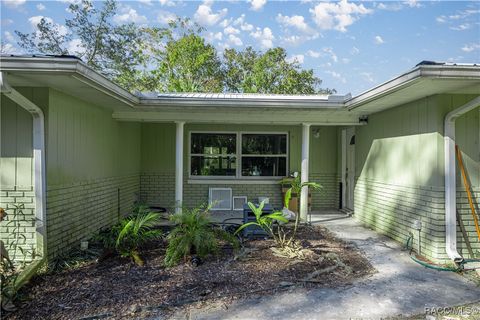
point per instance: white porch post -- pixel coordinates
(304, 173)
(179, 165)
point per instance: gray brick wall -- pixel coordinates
(467, 218)
(328, 197)
(24, 224)
(77, 211)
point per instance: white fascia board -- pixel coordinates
(411, 77)
(68, 66)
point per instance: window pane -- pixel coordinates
(263, 166)
(213, 166)
(264, 143)
(213, 143)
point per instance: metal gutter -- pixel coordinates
(450, 179)
(38, 157)
(68, 66)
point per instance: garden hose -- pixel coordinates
(408, 246)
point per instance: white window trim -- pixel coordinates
(238, 156)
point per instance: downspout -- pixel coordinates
(450, 179)
(38, 158)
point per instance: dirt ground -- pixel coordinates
(114, 288)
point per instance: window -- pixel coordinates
(238, 155)
(213, 154)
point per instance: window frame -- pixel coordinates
(238, 155)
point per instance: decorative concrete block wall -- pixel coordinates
(19, 229)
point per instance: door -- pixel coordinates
(348, 167)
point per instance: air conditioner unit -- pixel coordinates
(220, 199)
(238, 202)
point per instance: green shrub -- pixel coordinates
(194, 234)
(134, 232)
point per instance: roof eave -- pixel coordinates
(411, 77)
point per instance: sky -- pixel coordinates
(352, 46)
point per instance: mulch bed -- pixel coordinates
(114, 288)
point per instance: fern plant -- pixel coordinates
(193, 234)
(136, 231)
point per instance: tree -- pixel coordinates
(115, 51)
(188, 64)
(250, 71)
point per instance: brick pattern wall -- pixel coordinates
(467, 218)
(391, 210)
(159, 189)
(16, 224)
(329, 196)
(77, 211)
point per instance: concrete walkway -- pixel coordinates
(401, 287)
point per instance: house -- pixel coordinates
(78, 151)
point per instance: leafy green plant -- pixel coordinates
(296, 186)
(194, 234)
(266, 222)
(136, 231)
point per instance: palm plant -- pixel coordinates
(265, 222)
(296, 186)
(193, 234)
(136, 231)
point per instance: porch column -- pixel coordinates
(179, 165)
(304, 172)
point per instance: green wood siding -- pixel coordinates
(85, 143)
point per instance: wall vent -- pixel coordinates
(220, 199)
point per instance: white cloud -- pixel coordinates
(292, 40)
(40, 7)
(35, 20)
(412, 3)
(298, 22)
(244, 26)
(9, 36)
(390, 6)
(236, 41)
(379, 40)
(460, 20)
(314, 54)
(257, 5)
(205, 16)
(337, 15)
(265, 37)
(210, 37)
(299, 58)
(331, 53)
(168, 3)
(441, 19)
(354, 51)
(471, 47)
(367, 76)
(147, 2)
(336, 75)
(461, 27)
(345, 60)
(9, 48)
(164, 17)
(231, 30)
(13, 3)
(129, 15)
(6, 22)
(75, 47)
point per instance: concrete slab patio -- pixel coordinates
(401, 287)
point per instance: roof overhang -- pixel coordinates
(420, 82)
(72, 76)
